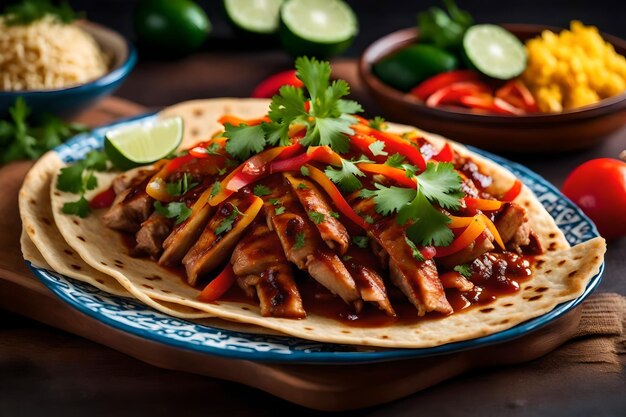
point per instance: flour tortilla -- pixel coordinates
(560, 274)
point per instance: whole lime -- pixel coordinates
(171, 27)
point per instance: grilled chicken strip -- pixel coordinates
(260, 263)
(132, 206)
(513, 227)
(419, 281)
(369, 282)
(313, 200)
(185, 234)
(466, 255)
(303, 245)
(457, 281)
(152, 234)
(211, 249)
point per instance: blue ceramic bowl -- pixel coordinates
(71, 100)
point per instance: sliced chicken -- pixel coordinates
(368, 281)
(211, 248)
(185, 234)
(466, 255)
(260, 264)
(315, 204)
(513, 226)
(457, 281)
(152, 234)
(131, 206)
(419, 281)
(303, 245)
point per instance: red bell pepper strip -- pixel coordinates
(446, 154)
(103, 199)
(270, 86)
(512, 192)
(314, 153)
(336, 197)
(488, 103)
(396, 174)
(394, 144)
(469, 235)
(517, 94)
(482, 204)
(362, 143)
(218, 287)
(439, 81)
(453, 93)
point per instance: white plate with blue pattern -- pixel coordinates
(135, 318)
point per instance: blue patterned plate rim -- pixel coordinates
(181, 333)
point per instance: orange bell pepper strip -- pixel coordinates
(458, 222)
(336, 197)
(492, 228)
(512, 192)
(482, 204)
(396, 174)
(469, 235)
(394, 144)
(236, 121)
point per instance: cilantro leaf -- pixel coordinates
(216, 188)
(316, 217)
(396, 160)
(378, 123)
(346, 177)
(299, 241)
(261, 190)
(430, 225)
(244, 141)
(392, 199)
(181, 186)
(78, 208)
(414, 251)
(365, 193)
(330, 132)
(302, 186)
(177, 210)
(377, 148)
(464, 270)
(279, 210)
(227, 224)
(361, 241)
(71, 179)
(441, 184)
(368, 219)
(334, 214)
(304, 170)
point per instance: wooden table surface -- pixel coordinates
(44, 371)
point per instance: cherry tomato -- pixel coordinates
(598, 187)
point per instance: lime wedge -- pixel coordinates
(494, 51)
(317, 27)
(141, 144)
(258, 16)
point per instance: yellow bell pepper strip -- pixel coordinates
(492, 228)
(470, 234)
(218, 287)
(482, 204)
(394, 144)
(252, 170)
(236, 121)
(446, 154)
(314, 153)
(396, 174)
(336, 197)
(458, 222)
(156, 188)
(512, 192)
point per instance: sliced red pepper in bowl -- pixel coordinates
(428, 87)
(517, 94)
(488, 103)
(452, 93)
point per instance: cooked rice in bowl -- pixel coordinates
(47, 55)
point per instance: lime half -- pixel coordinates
(141, 144)
(258, 16)
(494, 51)
(317, 27)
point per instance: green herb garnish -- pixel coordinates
(299, 241)
(227, 224)
(29, 11)
(181, 186)
(261, 190)
(346, 177)
(316, 217)
(78, 179)
(173, 210)
(361, 241)
(464, 270)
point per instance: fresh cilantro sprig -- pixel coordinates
(261, 190)
(174, 210)
(227, 224)
(181, 186)
(346, 177)
(78, 179)
(464, 270)
(327, 116)
(378, 148)
(316, 217)
(22, 138)
(29, 11)
(299, 240)
(440, 185)
(378, 123)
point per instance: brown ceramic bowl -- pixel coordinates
(565, 131)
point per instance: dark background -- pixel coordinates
(378, 17)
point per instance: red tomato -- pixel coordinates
(598, 187)
(270, 86)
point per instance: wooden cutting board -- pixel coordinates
(323, 387)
